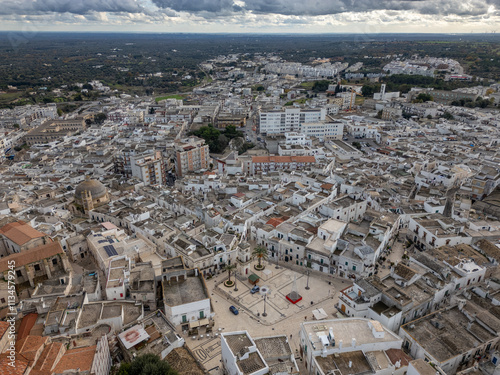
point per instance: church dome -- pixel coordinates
(96, 188)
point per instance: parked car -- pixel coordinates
(255, 289)
(234, 310)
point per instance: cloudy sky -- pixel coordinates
(252, 16)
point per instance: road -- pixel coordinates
(251, 135)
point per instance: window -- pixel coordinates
(54, 261)
(19, 273)
(354, 268)
(346, 263)
(36, 267)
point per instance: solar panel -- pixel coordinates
(110, 250)
(102, 241)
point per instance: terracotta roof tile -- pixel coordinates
(398, 355)
(3, 328)
(48, 358)
(30, 346)
(27, 324)
(274, 222)
(19, 368)
(32, 255)
(80, 358)
(19, 232)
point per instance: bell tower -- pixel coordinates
(87, 202)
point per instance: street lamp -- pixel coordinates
(235, 278)
(307, 286)
(265, 299)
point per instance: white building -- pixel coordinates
(452, 338)
(242, 355)
(323, 130)
(274, 122)
(344, 343)
(186, 297)
(118, 275)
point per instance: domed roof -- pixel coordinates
(96, 188)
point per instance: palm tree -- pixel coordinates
(260, 253)
(229, 268)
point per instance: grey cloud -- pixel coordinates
(194, 6)
(325, 7)
(30, 7)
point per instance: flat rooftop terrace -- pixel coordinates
(340, 362)
(450, 338)
(180, 292)
(346, 330)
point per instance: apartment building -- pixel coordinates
(323, 130)
(54, 130)
(192, 154)
(149, 167)
(280, 121)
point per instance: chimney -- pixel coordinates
(350, 364)
(353, 343)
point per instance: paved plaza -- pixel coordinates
(283, 317)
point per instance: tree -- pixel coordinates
(100, 118)
(260, 253)
(147, 364)
(229, 268)
(320, 85)
(448, 116)
(423, 97)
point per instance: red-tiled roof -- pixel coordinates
(398, 355)
(19, 232)
(19, 368)
(30, 346)
(27, 324)
(275, 222)
(80, 358)
(3, 328)
(48, 358)
(32, 255)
